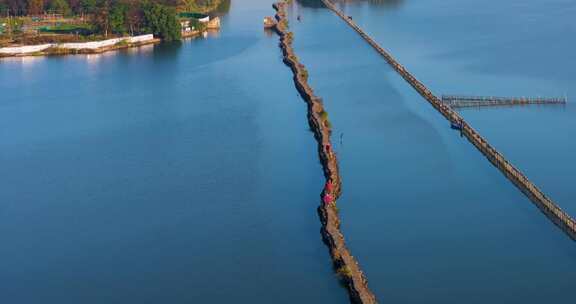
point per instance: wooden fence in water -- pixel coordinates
(460, 101)
(549, 208)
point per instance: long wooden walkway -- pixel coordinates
(549, 208)
(460, 101)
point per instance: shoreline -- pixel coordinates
(344, 263)
(55, 51)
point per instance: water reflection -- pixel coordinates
(269, 32)
(311, 3)
(144, 49)
(24, 61)
(23, 68)
(389, 3)
(383, 3)
(93, 59)
(208, 34)
(167, 50)
(211, 34)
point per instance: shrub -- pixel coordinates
(304, 73)
(344, 271)
(122, 43)
(324, 115)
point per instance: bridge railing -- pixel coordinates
(479, 101)
(503, 99)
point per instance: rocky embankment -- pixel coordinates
(345, 264)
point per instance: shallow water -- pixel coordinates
(180, 173)
(427, 216)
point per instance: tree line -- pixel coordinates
(107, 16)
(79, 7)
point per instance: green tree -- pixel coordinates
(134, 16)
(161, 21)
(60, 7)
(223, 8)
(17, 7)
(88, 6)
(75, 6)
(14, 26)
(117, 18)
(200, 6)
(102, 16)
(3, 9)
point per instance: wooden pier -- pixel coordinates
(548, 207)
(461, 101)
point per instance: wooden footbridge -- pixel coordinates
(461, 101)
(548, 207)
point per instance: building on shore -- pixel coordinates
(213, 24)
(193, 24)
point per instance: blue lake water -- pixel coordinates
(427, 216)
(502, 48)
(182, 173)
(186, 173)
